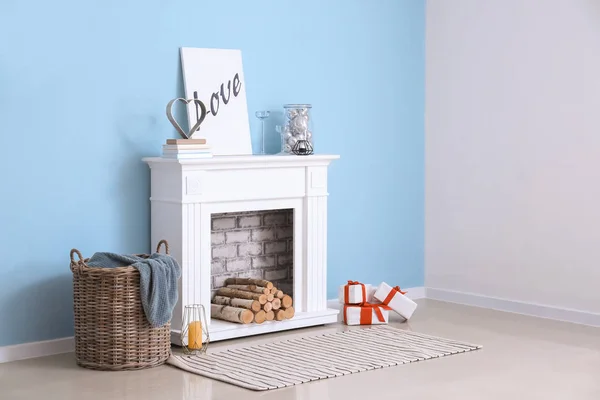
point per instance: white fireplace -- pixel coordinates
(185, 194)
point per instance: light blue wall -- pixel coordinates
(83, 88)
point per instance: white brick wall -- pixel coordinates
(250, 221)
(276, 247)
(238, 236)
(263, 234)
(250, 249)
(238, 264)
(263, 262)
(285, 232)
(227, 251)
(219, 224)
(256, 244)
(218, 267)
(217, 238)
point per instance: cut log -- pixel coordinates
(270, 297)
(242, 294)
(250, 288)
(286, 301)
(231, 314)
(279, 294)
(289, 312)
(276, 304)
(267, 306)
(249, 281)
(262, 289)
(270, 316)
(260, 317)
(249, 304)
(279, 315)
(273, 290)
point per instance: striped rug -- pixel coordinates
(312, 358)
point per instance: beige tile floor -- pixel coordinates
(522, 358)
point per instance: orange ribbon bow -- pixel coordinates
(347, 290)
(392, 293)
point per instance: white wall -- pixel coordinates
(513, 150)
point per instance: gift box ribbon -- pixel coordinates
(366, 312)
(347, 290)
(392, 293)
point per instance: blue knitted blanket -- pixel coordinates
(159, 275)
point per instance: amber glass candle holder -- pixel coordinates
(194, 331)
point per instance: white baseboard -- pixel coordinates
(517, 307)
(66, 345)
(414, 293)
(36, 349)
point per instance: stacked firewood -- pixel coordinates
(246, 300)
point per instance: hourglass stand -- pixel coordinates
(262, 115)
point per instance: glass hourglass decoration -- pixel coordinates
(262, 115)
(194, 330)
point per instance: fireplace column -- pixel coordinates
(315, 228)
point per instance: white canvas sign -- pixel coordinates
(216, 78)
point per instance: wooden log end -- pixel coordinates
(279, 315)
(262, 299)
(247, 317)
(255, 306)
(279, 294)
(260, 317)
(286, 301)
(276, 304)
(270, 316)
(267, 306)
(270, 297)
(289, 312)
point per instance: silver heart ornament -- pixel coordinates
(186, 135)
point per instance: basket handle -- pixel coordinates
(73, 252)
(166, 246)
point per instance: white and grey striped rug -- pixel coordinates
(312, 358)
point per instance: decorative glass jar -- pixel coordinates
(296, 132)
(194, 330)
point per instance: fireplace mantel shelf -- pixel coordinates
(250, 161)
(186, 193)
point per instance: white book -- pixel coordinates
(186, 151)
(187, 156)
(185, 146)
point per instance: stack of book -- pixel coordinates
(186, 149)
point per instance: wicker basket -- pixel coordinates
(111, 329)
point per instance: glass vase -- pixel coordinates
(194, 330)
(296, 131)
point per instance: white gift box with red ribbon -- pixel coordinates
(356, 293)
(366, 314)
(395, 299)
